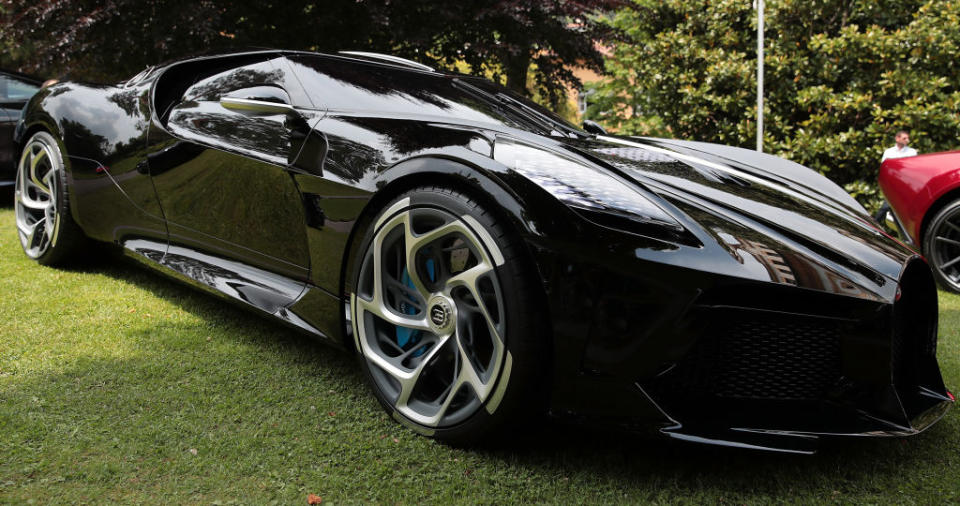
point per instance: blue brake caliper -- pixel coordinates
(410, 336)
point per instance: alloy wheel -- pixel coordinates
(428, 314)
(36, 197)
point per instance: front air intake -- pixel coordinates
(914, 340)
(779, 358)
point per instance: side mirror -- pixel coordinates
(258, 99)
(593, 127)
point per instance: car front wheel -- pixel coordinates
(444, 317)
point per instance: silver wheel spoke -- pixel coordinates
(408, 380)
(469, 374)
(414, 243)
(30, 231)
(35, 159)
(401, 290)
(28, 228)
(377, 308)
(468, 279)
(450, 393)
(38, 205)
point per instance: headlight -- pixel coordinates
(591, 191)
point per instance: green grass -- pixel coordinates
(119, 385)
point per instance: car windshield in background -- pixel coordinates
(15, 90)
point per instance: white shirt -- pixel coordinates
(896, 152)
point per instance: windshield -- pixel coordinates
(511, 103)
(350, 86)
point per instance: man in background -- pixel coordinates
(901, 148)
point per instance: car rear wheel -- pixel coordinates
(444, 318)
(45, 227)
(941, 245)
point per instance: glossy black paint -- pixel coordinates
(648, 322)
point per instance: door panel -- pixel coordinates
(222, 175)
(237, 200)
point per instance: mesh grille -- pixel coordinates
(783, 359)
(768, 360)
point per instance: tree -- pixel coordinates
(113, 39)
(504, 37)
(842, 76)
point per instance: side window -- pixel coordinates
(211, 88)
(198, 115)
(209, 79)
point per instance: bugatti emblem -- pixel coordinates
(442, 316)
(438, 315)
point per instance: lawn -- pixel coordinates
(119, 385)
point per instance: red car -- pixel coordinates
(924, 195)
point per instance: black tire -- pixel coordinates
(475, 411)
(42, 181)
(941, 246)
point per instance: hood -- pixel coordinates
(780, 203)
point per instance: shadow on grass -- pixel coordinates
(687, 467)
(233, 401)
(107, 260)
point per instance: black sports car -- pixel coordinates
(488, 261)
(15, 90)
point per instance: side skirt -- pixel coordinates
(299, 305)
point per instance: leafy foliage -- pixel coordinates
(867, 193)
(842, 76)
(114, 39)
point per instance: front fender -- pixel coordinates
(531, 212)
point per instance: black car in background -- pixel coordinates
(15, 90)
(487, 261)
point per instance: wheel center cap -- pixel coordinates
(441, 314)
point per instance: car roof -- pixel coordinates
(385, 60)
